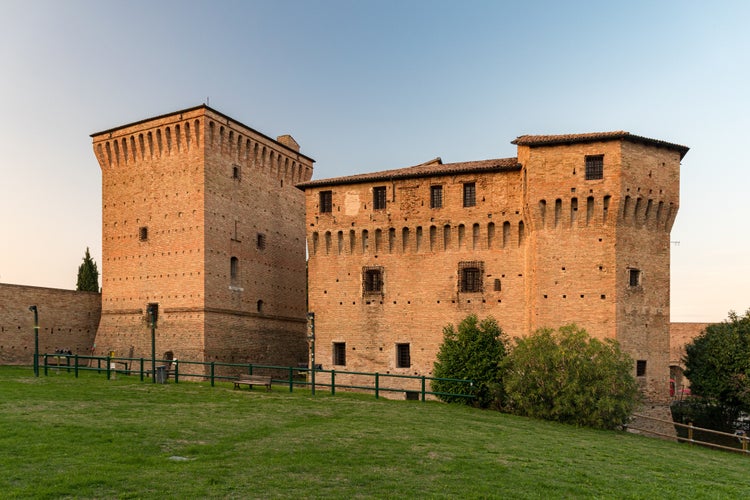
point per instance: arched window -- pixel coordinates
(234, 269)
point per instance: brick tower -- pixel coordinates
(201, 221)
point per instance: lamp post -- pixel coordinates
(311, 338)
(152, 320)
(36, 339)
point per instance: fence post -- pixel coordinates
(75, 358)
(377, 386)
(249, 368)
(744, 442)
(333, 382)
(690, 432)
(423, 386)
(212, 373)
(141, 369)
(176, 372)
(45, 364)
(109, 365)
(291, 379)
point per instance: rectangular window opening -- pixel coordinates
(326, 202)
(436, 196)
(470, 194)
(261, 241)
(594, 167)
(372, 280)
(470, 276)
(403, 356)
(378, 198)
(634, 278)
(143, 233)
(339, 353)
(640, 368)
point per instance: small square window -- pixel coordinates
(339, 353)
(143, 233)
(326, 202)
(594, 167)
(470, 194)
(403, 356)
(261, 241)
(640, 368)
(372, 280)
(634, 278)
(436, 196)
(378, 198)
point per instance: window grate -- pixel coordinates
(339, 353)
(470, 276)
(326, 202)
(470, 194)
(436, 196)
(378, 198)
(594, 167)
(372, 280)
(403, 356)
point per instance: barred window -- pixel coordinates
(470, 276)
(378, 198)
(143, 233)
(634, 277)
(339, 353)
(594, 167)
(436, 196)
(234, 269)
(372, 280)
(403, 356)
(326, 201)
(261, 241)
(470, 194)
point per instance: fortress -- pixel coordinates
(205, 222)
(202, 223)
(574, 229)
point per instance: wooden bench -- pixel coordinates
(251, 380)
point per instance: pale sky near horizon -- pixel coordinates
(366, 86)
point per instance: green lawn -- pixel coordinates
(92, 438)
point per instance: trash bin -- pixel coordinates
(161, 374)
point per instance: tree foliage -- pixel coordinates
(88, 275)
(717, 363)
(567, 376)
(475, 352)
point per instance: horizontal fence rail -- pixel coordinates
(686, 433)
(413, 386)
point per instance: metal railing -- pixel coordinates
(690, 431)
(300, 377)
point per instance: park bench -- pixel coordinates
(251, 380)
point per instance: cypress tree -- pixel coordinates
(88, 275)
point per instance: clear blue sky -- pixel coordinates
(365, 86)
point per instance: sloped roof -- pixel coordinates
(431, 168)
(551, 140)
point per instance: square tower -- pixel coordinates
(201, 221)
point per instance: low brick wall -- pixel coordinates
(67, 320)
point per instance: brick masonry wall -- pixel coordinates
(207, 190)
(67, 320)
(563, 247)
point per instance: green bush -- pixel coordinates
(566, 376)
(474, 352)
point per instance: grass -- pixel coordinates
(62, 437)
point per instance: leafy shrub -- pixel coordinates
(566, 376)
(474, 352)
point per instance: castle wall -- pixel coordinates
(67, 320)
(199, 215)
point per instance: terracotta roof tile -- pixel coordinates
(549, 140)
(431, 168)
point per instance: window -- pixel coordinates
(403, 358)
(339, 353)
(326, 202)
(436, 196)
(152, 311)
(234, 269)
(259, 306)
(470, 194)
(640, 368)
(498, 285)
(235, 172)
(372, 280)
(594, 167)
(470, 276)
(378, 198)
(261, 241)
(634, 277)
(143, 233)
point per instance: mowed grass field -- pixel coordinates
(62, 437)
